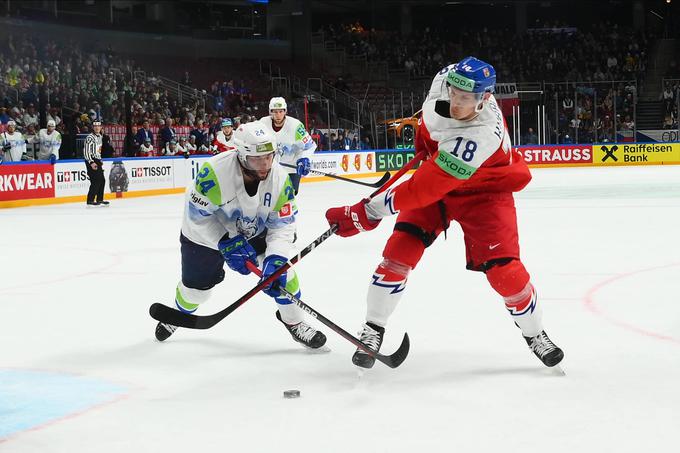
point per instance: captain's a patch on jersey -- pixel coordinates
(287, 210)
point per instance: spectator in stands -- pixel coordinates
(107, 147)
(131, 145)
(53, 115)
(628, 124)
(344, 142)
(668, 98)
(199, 134)
(144, 133)
(4, 117)
(146, 149)
(167, 133)
(30, 117)
(335, 143)
(366, 142)
(530, 138)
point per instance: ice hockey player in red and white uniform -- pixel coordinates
(224, 139)
(469, 175)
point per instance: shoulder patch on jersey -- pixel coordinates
(300, 132)
(454, 166)
(208, 185)
(286, 196)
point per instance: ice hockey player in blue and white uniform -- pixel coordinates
(12, 144)
(295, 144)
(241, 205)
(50, 142)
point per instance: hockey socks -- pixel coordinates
(386, 288)
(511, 281)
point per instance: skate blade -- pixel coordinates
(322, 350)
(558, 371)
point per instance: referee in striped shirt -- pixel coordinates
(95, 169)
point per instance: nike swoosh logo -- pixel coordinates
(491, 247)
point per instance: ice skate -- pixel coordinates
(163, 331)
(545, 349)
(305, 334)
(372, 336)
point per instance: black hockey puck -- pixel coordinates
(291, 394)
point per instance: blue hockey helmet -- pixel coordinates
(472, 75)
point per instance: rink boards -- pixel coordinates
(36, 183)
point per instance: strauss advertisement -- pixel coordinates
(560, 154)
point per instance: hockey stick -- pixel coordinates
(169, 315)
(392, 360)
(378, 183)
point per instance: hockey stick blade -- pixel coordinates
(392, 361)
(395, 359)
(378, 183)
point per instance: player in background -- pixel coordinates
(295, 144)
(146, 149)
(242, 205)
(12, 144)
(224, 139)
(469, 176)
(50, 141)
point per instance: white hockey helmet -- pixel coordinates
(253, 140)
(277, 103)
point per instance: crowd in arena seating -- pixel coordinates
(608, 62)
(552, 52)
(80, 86)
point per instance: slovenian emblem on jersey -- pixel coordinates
(286, 210)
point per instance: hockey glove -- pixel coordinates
(269, 266)
(53, 159)
(351, 219)
(303, 166)
(236, 251)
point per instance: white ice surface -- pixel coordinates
(602, 246)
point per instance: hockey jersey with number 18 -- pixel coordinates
(218, 201)
(293, 139)
(463, 156)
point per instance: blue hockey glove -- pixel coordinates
(53, 159)
(269, 266)
(303, 166)
(236, 251)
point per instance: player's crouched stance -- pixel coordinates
(241, 206)
(469, 176)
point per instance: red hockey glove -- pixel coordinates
(351, 219)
